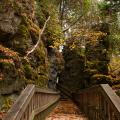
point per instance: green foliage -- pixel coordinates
(46, 8)
(86, 6)
(109, 6)
(114, 5)
(104, 7)
(115, 43)
(20, 41)
(28, 71)
(118, 92)
(73, 10)
(101, 79)
(7, 104)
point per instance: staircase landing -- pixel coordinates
(66, 110)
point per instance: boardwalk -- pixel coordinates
(66, 110)
(98, 103)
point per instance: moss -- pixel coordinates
(42, 69)
(40, 55)
(115, 83)
(7, 100)
(11, 71)
(36, 69)
(101, 79)
(28, 71)
(42, 80)
(6, 65)
(101, 66)
(118, 91)
(24, 21)
(91, 72)
(7, 104)
(23, 29)
(72, 75)
(21, 40)
(37, 75)
(97, 57)
(116, 87)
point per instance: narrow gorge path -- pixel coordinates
(66, 110)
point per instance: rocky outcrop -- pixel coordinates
(97, 57)
(90, 67)
(56, 65)
(11, 71)
(72, 75)
(11, 11)
(19, 32)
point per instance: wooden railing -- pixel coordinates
(33, 103)
(99, 103)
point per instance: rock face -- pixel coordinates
(90, 68)
(11, 71)
(72, 75)
(10, 14)
(97, 58)
(56, 65)
(19, 31)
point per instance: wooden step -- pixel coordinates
(66, 110)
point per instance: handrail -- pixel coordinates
(31, 103)
(99, 102)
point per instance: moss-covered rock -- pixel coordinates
(11, 71)
(72, 75)
(21, 41)
(6, 101)
(56, 65)
(101, 79)
(19, 33)
(97, 57)
(118, 91)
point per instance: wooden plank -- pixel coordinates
(47, 91)
(20, 105)
(44, 107)
(110, 101)
(111, 96)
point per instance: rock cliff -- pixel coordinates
(19, 31)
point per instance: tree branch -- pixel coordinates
(39, 39)
(73, 23)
